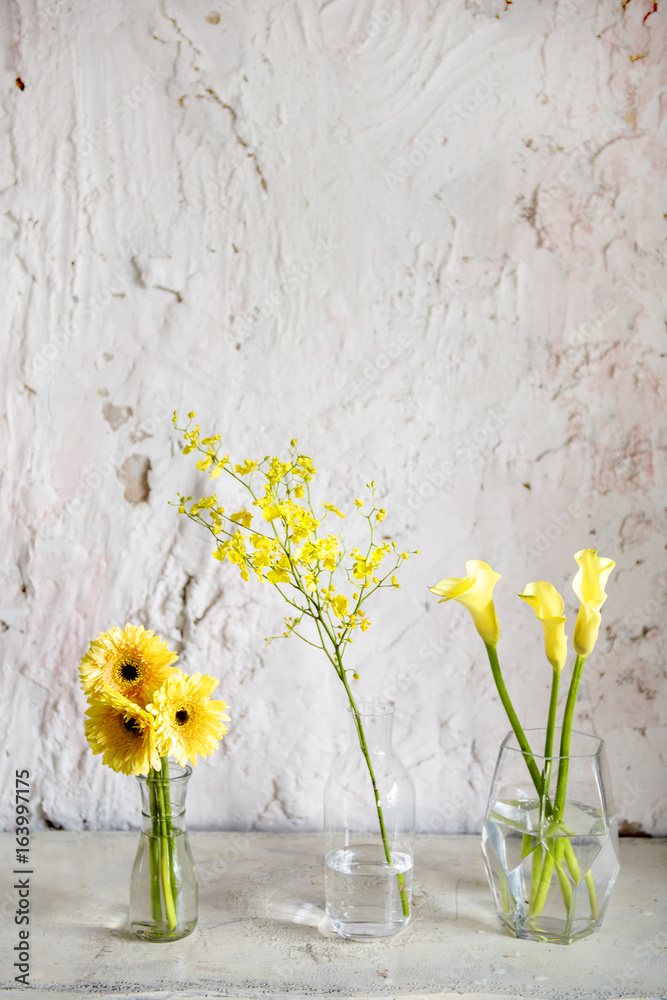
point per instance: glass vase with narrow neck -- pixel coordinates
(163, 887)
(369, 820)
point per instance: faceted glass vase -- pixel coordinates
(551, 873)
(368, 878)
(163, 887)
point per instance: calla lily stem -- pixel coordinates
(551, 721)
(514, 721)
(566, 731)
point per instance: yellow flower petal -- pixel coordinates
(187, 721)
(548, 605)
(131, 661)
(334, 510)
(474, 592)
(588, 585)
(123, 732)
(339, 606)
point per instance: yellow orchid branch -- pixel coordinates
(295, 555)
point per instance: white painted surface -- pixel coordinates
(455, 946)
(477, 323)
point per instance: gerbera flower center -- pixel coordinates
(132, 726)
(129, 670)
(181, 716)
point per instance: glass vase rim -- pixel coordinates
(177, 772)
(372, 707)
(597, 740)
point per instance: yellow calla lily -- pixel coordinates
(474, 592)
(548, 605)
(588, 585)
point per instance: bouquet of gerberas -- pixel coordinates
(141, 710)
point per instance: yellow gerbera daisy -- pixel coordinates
(132, 662)
(124, 733)
(187, 721)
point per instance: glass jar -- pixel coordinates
(369, 820)
(551, 870)
(163, 887)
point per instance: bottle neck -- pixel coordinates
(376, 720)
(163, 800)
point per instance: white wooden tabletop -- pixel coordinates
(80, 943)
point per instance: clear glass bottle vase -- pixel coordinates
(163, 887)
(369, 819)
(551, 869)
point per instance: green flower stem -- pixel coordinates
(154, 854)
(526, 844)
(364, 748)
(539, 897)
(165, 878)
(562, 850)
(504, 895)
(564, 762)
(551, 722)
(536, 871)
(170, 832)
(592, 894)
(514, 721)
(559, 850)
(565, 886)
(573, 865)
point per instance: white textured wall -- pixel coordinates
(463, 206)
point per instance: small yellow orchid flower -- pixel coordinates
(548, 605)
(474, 592)
(588, 585)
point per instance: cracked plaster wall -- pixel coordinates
(426, 239)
